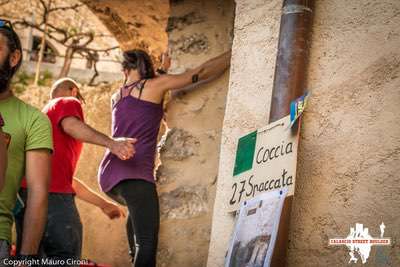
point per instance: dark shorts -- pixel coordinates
(4, 252)
(63, 234)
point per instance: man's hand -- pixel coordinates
(86, 194)
(123, 148)
(113, 211)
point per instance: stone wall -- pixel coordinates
(198, 31)
(349, 148)
(134, 23)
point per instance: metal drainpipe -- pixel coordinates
(289, 83)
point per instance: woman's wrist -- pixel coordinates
(109, 143)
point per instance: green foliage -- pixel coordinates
(45, 78)
(24, 79)
(73, 30)
(21, 81)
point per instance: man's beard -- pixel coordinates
(5, 75)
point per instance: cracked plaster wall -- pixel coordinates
(197, 31)
(348, 165)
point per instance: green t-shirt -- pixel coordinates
(29, 129)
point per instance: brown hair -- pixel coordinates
(137, 59)
(13, 44)
(67, 84)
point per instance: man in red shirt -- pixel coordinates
(63, 234)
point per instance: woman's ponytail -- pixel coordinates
(138, 60)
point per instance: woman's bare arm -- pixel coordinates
(213, 68)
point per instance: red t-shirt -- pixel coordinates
(67, 150)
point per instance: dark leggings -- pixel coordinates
(143, 221)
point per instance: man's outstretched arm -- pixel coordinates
(121, 147)
(38, 172)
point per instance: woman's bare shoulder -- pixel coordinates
(115, 97)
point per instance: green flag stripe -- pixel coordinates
(245, 153)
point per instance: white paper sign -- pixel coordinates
(266, 160)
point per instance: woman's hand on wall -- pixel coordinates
(165, 61)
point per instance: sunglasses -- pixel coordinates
(5, 24)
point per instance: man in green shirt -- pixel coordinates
(29, 153)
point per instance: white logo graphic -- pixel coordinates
(359, 241)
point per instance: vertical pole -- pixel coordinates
(43, 42)
(41, 54)
(289, 83)
(29, 41)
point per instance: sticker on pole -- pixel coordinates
(266, 160)
(297, 108)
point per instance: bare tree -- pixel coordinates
(76, 40)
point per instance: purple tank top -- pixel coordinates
(135, 118)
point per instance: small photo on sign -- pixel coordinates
(253, 239)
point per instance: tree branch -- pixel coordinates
(107, 49)
(96, 73)
(103, 35)
(65, 8)
(75, 41)
(59, 31)
(88, 41)
(78, 36)
(37, 27)
(95, 59)
(45, 14)
(45, 7)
